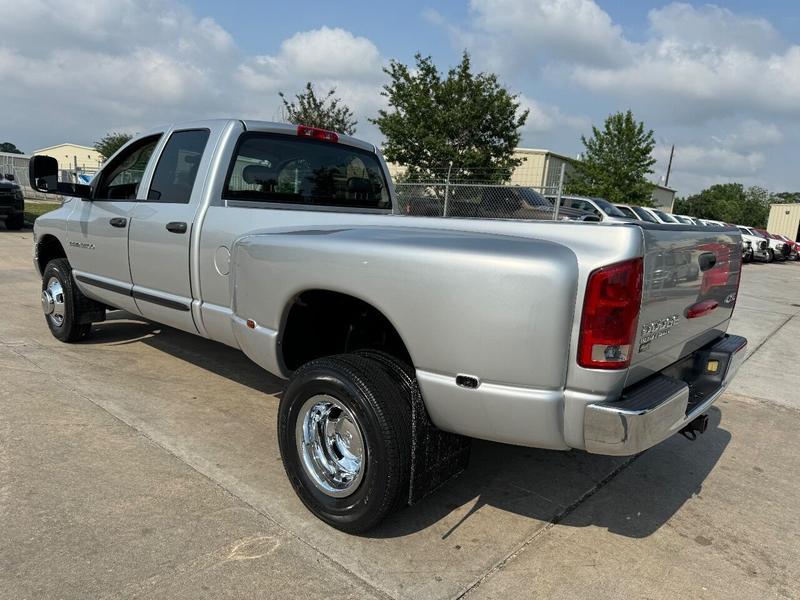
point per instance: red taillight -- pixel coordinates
(317, 133)
(610, 315)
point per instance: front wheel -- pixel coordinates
(62, 302)
(344, 431)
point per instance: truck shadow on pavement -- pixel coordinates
(628, 496)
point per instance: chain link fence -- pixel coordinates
(479, 200)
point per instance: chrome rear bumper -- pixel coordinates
(663, 404)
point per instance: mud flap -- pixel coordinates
(436, 456)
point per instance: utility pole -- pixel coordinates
(669, 166)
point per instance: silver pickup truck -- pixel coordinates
(401, 336)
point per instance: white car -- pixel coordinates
(650, 215)
(757, 242)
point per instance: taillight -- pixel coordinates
(317, 133)
(610, 316)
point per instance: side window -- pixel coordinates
(286, 169)
(177, 167)
(120, 179)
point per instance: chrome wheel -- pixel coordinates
(330, 445)
(53, 301)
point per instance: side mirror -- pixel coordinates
(43, 176)
(591, 218)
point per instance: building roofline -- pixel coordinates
(15, 155)
(543, 151)
(64, 144)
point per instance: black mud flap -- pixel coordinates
(436, 456)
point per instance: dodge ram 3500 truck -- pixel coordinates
(401, 336)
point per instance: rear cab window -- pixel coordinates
(271, 168)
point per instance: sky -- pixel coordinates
(719, 81)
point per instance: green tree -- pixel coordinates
(464, 119)
(729, 202)
(110, 143)
(616, 162)
(9, 147)
(327, 112)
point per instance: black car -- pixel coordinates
(12, 203)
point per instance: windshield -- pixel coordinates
(628, 212)
(664, 216)
(608, 208)
(644, 215)
(685, 220)
(533, 198)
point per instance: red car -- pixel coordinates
(794, 252)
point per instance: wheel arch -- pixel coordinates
(48, 247)
(345, 323)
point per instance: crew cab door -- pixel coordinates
(97, 230)
(160, 232)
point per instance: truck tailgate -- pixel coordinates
(691, 278)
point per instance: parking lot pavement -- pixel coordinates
(144, 462)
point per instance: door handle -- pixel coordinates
(118, 222)
(707, 261)
(177, 227)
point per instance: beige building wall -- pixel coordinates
(68, 155)
(785, 220)
(663, 198)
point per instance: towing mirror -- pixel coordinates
(43, 175)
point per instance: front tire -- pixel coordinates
(344, 431)
(63, 303)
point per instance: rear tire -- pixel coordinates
(15, 222)
(63, 303)
(770, 255)
(344, 431)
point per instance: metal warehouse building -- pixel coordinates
(785, 220)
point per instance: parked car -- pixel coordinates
(687, 220)
(599, 207)
(401, 336)
(757, 242)
(713, 223)
(794, 247)
(638, 213)
(778, 249)
(486, 202)
(12, 203)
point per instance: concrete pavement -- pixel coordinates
(144, 463)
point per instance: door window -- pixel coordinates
(177, 167)
(120, 179)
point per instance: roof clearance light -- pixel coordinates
(317, 133)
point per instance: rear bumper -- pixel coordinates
(660, 406)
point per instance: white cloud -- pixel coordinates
(544, 118)
(518, 34)
(704, 63)
(132, 64)
(752, 133)
(713, 27)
